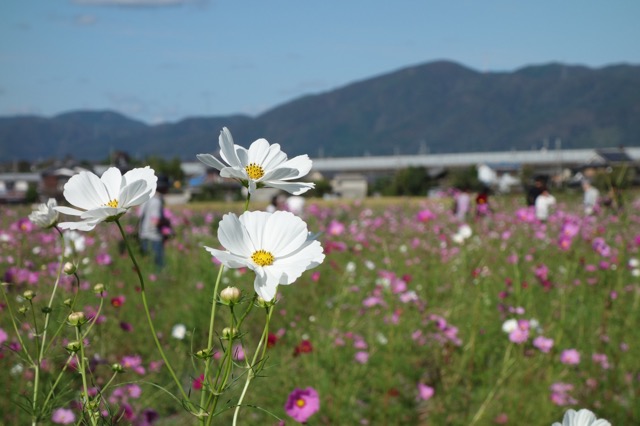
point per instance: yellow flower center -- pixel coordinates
(113, 203)
(300, 402)
(262, 258)
(254, 171)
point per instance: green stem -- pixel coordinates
(47, 316)
(71, 309)
(207, 363)
(55, 384)
(85, 388)
(254, 363)
(148, 313)
(15, 327)
(246, 204)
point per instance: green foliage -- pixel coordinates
(409, 181)
(465, 178)
(473, 286)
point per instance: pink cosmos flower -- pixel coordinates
(425, 392)
(302, 404)
(335, 228)
(3, 336)
(63, 416)
(362, 357)
(425, 215)
(570, 357)
(519, 335)
(544, 344)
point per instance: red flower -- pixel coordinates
(303, 348)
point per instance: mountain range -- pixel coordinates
(437, 107)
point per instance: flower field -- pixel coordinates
(410, 319)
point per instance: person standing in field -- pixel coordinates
(590, 200)
(482, 202)
(462, 204)
(534, 191)
(151, 221)
(544, 202)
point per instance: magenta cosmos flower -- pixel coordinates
(302, 404)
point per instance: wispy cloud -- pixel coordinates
(85, 20)
(137, 3)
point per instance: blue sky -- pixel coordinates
(163, 60)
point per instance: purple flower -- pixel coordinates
(570, 357)
(63, 416)
(519, 335)
(544, 344)
(425, 392)
(302, 404)
(362, 357)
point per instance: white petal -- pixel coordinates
(69, 211)
(102, 213)
(234, 237)
(85, 225)
(265, 285)
(112, 180)
(584, 417)
(295, 188)
(234, 173)
(142, 173)
(274, 158)
(211, 161)
(86, 191)
(284, 233)
(280, 174)
(302, 163)
(134, 194)
(228, 259)
(227, 148)
(258, 151)
(255, 224)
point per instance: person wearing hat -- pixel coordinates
(152, 221)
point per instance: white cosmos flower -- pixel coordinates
(276, 246)
(583, 417)
(510, 325)
(106, 198)
(45, 216)
(179, 331)
(261, 165)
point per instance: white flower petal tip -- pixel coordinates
(276, 246)
(46, 215)
(105, 198)
(262, 165)
(582, 417)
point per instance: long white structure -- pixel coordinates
(394, 162)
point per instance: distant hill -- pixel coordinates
(436, 107)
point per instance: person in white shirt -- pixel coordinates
(543, 204)
(151, 238)
(591, 195)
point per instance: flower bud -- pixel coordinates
(23, 309)
(265, 304)
(73, 346)
(70, 268)
(28, 294)
(46, 310)
(204, 353)
(68, 302)
(76, 318)
(117, 368)
(228, 332)
(98, 288)
(230, 295)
